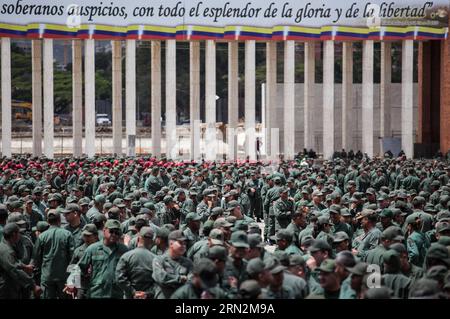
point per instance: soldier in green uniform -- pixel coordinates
(171, 270)
(389, 236)
(284, 240)
(192, 230)
(15, 279)
(153, 183)
(370, 237)
(336, 219)
(99, 263)
(297, 224)
(203, 284)
(235, 267)
(272, 195)
(134, 270)
(75, 224)
(392, 277)
(416, 242)
(53, 253)
(283, 208)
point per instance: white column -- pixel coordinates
(48, 98)
(347, 95)
(130, 91)
(89, 97)
(210, 99)
(328, 99)
(171, 98)
(117, 96)
(156, 98)
(77, 98)
(6, 96)
(194, 98)
(271, 95)
(308, 94)
(385, 103)
(36, 74)
(367, 98)
(289, 100)
(233, 98)
(407, 98)
(250, 121)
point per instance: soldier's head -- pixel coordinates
(204, 274)
(177, 244)
(320, 250)
(239, 244)
(72, 213)
(344, 260)
(111, 232)
(11, 233)
(53, 217)
(284, 193)
(283, 238)
(328, 278)
(258, 270)
(297, 266)
(90, 234)
(218, 254)
(145, 238)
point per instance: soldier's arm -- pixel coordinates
(37, 255)
(161, 276)
(20, 277)
(122, 277)
(413, 251)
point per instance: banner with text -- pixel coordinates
(225, 19)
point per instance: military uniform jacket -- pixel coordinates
(297, 285)
(102, 260)
(12, 278)
(153, 184)
(77, 233)
(53, 253)
(283, 210)
(167, 274)
(134, 272)
(239, 273)
(203, 210)
(284, 293)
(417, 246)
(369, 241)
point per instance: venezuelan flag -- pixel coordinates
(12, 31)
(104, 32)
(54, 31)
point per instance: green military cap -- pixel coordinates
(328, 265)
(360, 269)
(112, 224)
(425, 288)
(10, 228)
(177, 235)
(386, 212)
(240, 225)
(249, 289)
(436, 183)
(41, 227)
(418, 200)
(150, 206)
(345, 212)
(83, 201)
(100, 199)
(71, 208)
(442, 226)
(284, 190)
(273, 264)
(256, 266)
(53, 213)
(443, 215)
(334, 209)
(168, 199)
(391, 257)
(437, 273)
(114, 212)
(37, 190)
(365, 213)
(231, 219)
(16, 204)
(136, 204)
(208, 226)
(317, 193)
(129, 197)
(429, 208)
(296, 260)
(277, 179)
(382, 197)
(216, 236)
(28, 199)
(239, 239)
(217, 252)
(324, 220)
(216, 211)
(98, 218)
(340, 236)
(255, 240)
(146, 232)
(90, 229)
(221, 222)
(393, 233)
(232, 205)
(107, 206)
(228, 182)
(192, 217)
(119, 203)
(283, 234)
(318, 245)
(162, 232)
(438, 251)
